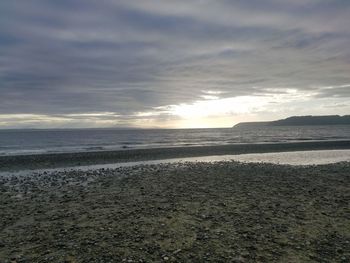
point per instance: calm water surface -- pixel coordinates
(14, 142)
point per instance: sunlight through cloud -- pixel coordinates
(213, 107)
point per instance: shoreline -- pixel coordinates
(219, 211)
(295, 158)
(59, 160)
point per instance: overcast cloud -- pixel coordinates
(82, 63)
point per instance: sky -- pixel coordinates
(171, 64)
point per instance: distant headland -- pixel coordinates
(301, 121)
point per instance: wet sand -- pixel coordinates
(41, 161)
(180, 212)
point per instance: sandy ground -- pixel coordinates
(188, 212)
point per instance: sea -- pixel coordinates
(39, 141)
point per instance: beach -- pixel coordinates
(174, 131)
(223, 211)
(55, 160)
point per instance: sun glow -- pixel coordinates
(218, 107)
(208, 111)
(212, 111)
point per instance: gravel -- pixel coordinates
(183, 212)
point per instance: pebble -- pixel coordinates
(206, 220)
(177, 251)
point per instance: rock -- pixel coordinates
(177, 251)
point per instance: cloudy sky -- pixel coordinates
(171, 64)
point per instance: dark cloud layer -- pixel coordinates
(126, 56)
